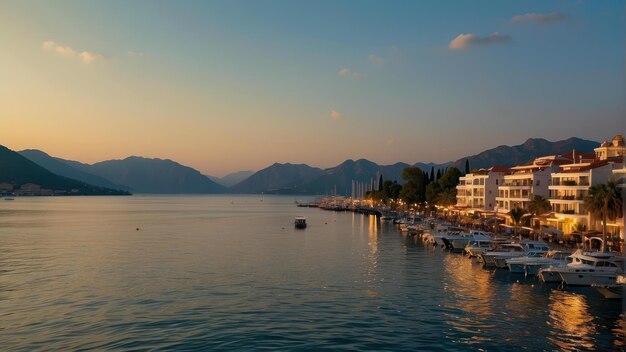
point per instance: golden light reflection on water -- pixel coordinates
(373, 234)
(572, 324)
(620, 332)
(473, 294)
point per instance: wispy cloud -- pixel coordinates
(67, 51)
(465, 41)
(345, 72)
(376, 59)
(335, 115)
(542, 18)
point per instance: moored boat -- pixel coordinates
(531, 263)
(459, 243)
(499, 256)
(300, 222)
(585, 269)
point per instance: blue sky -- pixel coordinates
(232, 85)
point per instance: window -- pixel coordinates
(496, 182)
(538, 183)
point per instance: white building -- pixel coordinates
(570, 185)
(526, 181)
(569, 188)
(477, 191)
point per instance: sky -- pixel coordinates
(224, 86)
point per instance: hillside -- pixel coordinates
(278, 178)
(18, 170)
(339, 178)
(533, 148)
(68, 168)
(145, 175)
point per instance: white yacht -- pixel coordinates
(477, 247)
(499, 256)
(585, 269)
(530, 264)
(459, 243)
(444, 235)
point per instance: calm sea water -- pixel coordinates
(231, 273)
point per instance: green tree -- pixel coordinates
(538, 206)
(467, 168)
(412, 189)
(447, 197)
(432, 192)
(517, 214)
(450, 179)
(604, 202)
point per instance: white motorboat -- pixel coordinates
(585, 269)
(499, 256)
(530, 264)
(444, 235)
(477, 247)
(459, 243)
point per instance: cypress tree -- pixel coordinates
(432, 175)
(438, 175)
(380, 182)
(467, 169)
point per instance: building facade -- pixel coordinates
(526, 181)
(477, 191)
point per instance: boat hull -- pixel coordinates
(588, 278)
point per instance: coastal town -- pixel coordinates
(550, 195)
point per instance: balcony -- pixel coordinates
(580, 198)
(517, 184)
(556, 182)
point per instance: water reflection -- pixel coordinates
(373, 234)
(470, 296)
(572, 326)
(620, 332)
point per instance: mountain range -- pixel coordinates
(17, 170)
(134, 174)
(143, 175)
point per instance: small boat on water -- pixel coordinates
(585, 269)
(477, 247)
(458, 244)
(498, 257)
(535, 260)
(300, 222)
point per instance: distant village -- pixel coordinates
(31, 189)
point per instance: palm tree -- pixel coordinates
(604, 202)
(538, 206)
(517, 214)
